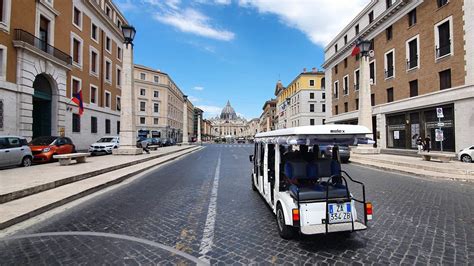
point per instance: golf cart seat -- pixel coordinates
(318, 192)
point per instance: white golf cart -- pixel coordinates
(308, 194)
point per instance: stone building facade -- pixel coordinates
(228, 124)
(422, 61)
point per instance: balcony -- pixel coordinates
(28, 38)
(443, 50)
(412, 62)
(389, 73)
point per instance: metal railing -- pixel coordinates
(443, 50)
(413, 62)
(24, 36)
(389, 72)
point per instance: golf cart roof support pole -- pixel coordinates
(327, 205)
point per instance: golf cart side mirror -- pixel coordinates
(251, 158)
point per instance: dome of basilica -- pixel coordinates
(228, 113)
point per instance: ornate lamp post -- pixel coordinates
(365, 104)
(128, 129)
(185, 120)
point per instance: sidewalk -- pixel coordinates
(453, 170)
(27, 192)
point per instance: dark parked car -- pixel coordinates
(155, 141)
(344, 152)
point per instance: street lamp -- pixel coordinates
(364, 47)
(128, 127)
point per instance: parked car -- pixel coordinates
(466, 155)
(155, 141)
(143, 139)
(14, 151)
(43, 148)
(241, 140)
(344, 152)
(105, 145)
(168, 142)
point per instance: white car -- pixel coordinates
(466, 155)
(14, 151)
(105, 145)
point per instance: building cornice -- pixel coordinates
(107, 20)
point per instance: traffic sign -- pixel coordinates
(439, 112)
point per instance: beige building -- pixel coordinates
(268, 120)
(423, 60)
(50, 50)
(228, 124)
(253, 128)
(159, 105)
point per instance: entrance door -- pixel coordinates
(41, 107)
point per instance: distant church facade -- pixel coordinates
(228, 124)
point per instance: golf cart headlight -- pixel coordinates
(46, 149)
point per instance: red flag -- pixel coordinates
(355, 51)
(77, 99)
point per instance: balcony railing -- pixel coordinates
(413, 62)
(389, 73)
(24, 36)
(443, 50)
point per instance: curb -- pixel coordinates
(68, 180)
(410, 173)
(87, 192)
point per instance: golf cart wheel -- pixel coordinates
(466, 158)
(26, 161)
(285, 231)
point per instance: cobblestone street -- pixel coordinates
(156, 217)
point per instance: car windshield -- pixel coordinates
(42, 141)
(105, 140)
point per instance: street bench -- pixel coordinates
(65, 159)
(443, 157)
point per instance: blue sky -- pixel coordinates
(219, 50)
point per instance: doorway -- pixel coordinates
(42, 98)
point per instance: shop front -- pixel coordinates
(404, 128)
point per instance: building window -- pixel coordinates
(335, 69)
(413, 88)
(107, 99)
(1, 114)
(389, 33)
(311, 82)
(3, 62)
(372, 99)
(323, 108)
(346, 107)
(412, 18)
(443, 38)
(94, 62)
(390, 95)
(356, 28)
(156, 79)
(389, 64)
(346, 85)
(445, 79)
(323, 96)
(142, 120)
(76, 123)
(119, 77)
(108, 11)
(311, 95)
(5, 5)
(119, 53)
(75, 86)
(108, 70)
(142, 106)
(311, 108)
(107, 126)
(357, 104)
(442, 3)
(324, 121)
(335, 48)
(356, 79)
(371, 16)
(336, 110)
(76, 50)
(388, 3)
(345, 39)
(155, 120)
(311, 122)
(345, 62)
(142, 92)
(93, 124)
(412, 53)
(156, 107)
(93, 94)
(118, 106)
(142, 76)
(94, 32)
(119, 24)
(108, 45)
(77, 17)
(323, 83)
(156, 94)
(118, 127)
(372, 71)
(336, 89)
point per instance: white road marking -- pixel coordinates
(208, 235)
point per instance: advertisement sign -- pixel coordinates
(439, 135)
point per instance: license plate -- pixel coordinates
(340, 212)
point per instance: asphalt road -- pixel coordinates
(203, 205)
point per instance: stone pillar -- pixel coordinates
(128, 129)
(185, 119)
(199, 129)
(268, 123)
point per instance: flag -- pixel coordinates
(355, 51)
(77, 99)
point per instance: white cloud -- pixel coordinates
(198, 88)
(192, 21)
(218, 2)
(193, 99)
(210, 111)
(320, 20)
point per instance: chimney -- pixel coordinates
(304, 70)
(314, 70)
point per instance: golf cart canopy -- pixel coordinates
(312, 135)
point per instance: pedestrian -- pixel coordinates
(419, 143)
(427, 144)
(144, 144)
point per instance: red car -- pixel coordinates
(43, 148)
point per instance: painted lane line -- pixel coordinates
(208, 235)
